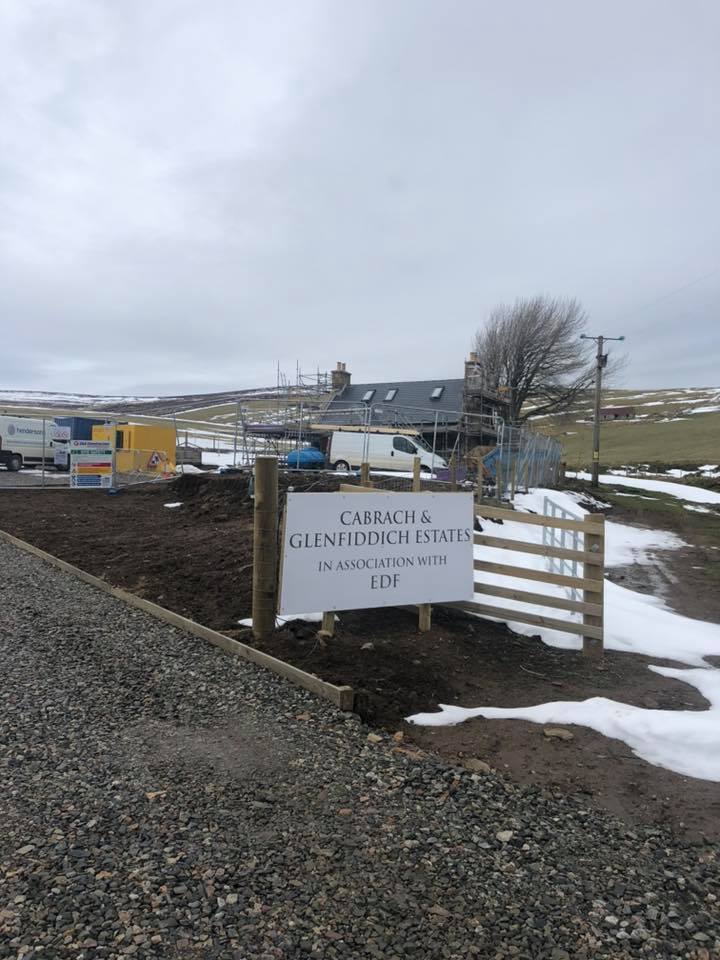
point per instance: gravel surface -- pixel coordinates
(159, 798)
(33, 478)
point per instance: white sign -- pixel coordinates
(60, 452)
(357, 550)
(59, 433)
(90, 464)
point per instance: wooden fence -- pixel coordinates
(592, 556)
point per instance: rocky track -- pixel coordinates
(159, 798)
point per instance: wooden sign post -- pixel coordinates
(265, 540)
(424, 609)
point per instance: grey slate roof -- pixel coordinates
(412, 404)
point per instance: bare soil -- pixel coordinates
(681, 577)
(197, 560)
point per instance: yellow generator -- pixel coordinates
(141, 447)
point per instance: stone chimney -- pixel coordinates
(471, 371)
(340, 378)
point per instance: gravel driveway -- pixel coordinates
(33, 478)
(159, 798)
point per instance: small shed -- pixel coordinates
(617, 413)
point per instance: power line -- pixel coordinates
(666, 296)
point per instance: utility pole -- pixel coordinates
(600, 363)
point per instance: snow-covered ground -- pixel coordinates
(217, 459)
(45, 398)
(683, 491)
(685, 741)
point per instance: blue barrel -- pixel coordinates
(309, 458)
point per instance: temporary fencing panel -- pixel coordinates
(139, 466)
(525, 459)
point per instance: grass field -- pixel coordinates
(665, 430)
(262, 409)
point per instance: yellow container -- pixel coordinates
(140, 447)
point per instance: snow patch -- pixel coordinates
(634, 623)
(682, 491)
(623, 544)
(686, 741)
(281, 621)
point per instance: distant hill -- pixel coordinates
(679, 427)
(675, 427)
(200, 402)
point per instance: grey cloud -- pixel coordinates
(191, 192)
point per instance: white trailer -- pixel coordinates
(383, 451)
(21, 442)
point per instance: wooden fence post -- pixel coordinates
(365, 474)
(265, 546)
(594, 543)
(424, 609)
(416, 475)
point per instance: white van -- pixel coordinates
(21, 442)
(383, 451)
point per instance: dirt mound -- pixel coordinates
(224, 497)
(215, 498)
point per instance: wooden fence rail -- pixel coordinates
(592, 556)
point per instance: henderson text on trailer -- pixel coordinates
(21, 442)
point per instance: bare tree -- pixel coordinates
(532, 352)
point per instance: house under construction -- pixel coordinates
(453, 416)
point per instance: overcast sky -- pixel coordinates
(194, 190)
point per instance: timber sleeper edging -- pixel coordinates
(341, 697)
